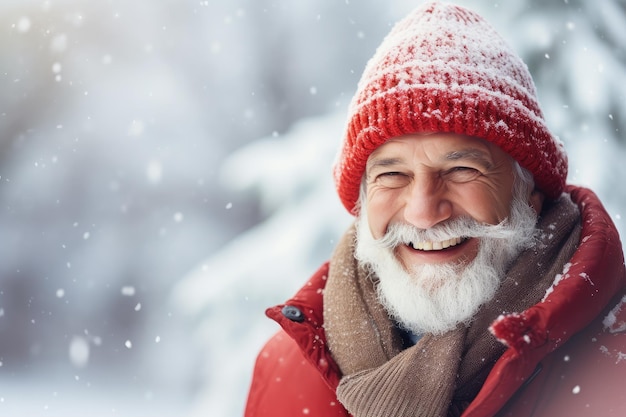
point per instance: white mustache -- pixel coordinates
(462, 227)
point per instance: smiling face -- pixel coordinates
(442, 217)
(426, 180)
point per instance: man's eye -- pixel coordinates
(463, 169)
(390, 174)
(392, 179)
(462, 174)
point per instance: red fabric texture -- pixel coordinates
(295, 374)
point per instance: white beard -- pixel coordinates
(435, 298)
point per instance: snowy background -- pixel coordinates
(165, 176)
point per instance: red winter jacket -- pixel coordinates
(574, 364)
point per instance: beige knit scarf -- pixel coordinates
(440, 375)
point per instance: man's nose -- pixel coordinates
(427, 202)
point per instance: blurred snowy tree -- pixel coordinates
(114, 120)
(576, 51)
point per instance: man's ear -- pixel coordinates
(536, 200)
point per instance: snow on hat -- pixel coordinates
(443, 68)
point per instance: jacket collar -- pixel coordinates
(592, 278)
(302, 318)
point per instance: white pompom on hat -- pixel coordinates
(443, 68)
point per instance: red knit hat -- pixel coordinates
(445, 69)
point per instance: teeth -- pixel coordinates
(428, 246)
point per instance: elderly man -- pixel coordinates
(474, 281)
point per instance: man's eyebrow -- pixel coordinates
(382, 162)
(472, 154)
